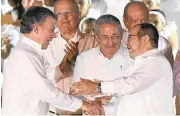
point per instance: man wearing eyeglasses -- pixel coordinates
(69, 42)
(106, 62)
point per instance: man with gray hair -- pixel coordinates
(107, 61)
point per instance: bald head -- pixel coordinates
(135, 12)
(69, 2)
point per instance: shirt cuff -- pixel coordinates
(109, 110)
(107, 87)
(58, 74)
(76, 104)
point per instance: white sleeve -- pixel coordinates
(111, 108)
(78, 70)
(34, 79)
(142, 78)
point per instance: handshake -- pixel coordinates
(92, 108)
(87, 87)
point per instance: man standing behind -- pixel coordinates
(26, 89)
(67, 45)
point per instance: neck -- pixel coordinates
(30, 36)
(146, 49)
(68, 35)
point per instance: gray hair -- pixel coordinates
(76, 7)
(107, 19)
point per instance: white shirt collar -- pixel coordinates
(31, 43)
(153, 52)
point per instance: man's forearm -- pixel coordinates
(65, 66)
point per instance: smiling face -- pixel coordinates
(109, 39)
(68, 17)
(135, 15)
(46, 31)
(134, 42)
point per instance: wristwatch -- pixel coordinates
(99, 88)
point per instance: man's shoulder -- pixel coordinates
(89, 53)
(163, 39)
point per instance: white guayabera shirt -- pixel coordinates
(147, 89)
(26, 89)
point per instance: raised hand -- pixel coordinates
(71, 51)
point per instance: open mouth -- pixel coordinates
(129, 48)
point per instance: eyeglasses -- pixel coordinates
(130, 36)
(66, 13)
(106, 38)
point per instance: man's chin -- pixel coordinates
(110, 50)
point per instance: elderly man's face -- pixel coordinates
(134, 43)
(68, 18)
(135, 16)
(109, 38)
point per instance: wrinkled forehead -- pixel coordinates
(64, 5)
(109, 28)
(140, 15)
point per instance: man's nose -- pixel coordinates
(109, 41)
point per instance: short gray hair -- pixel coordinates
(76, 7)
(107, 19)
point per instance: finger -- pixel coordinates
(76, 92)
(84, 80)
(68, 49)
(65, 51)
(71, 46)
(76, 84)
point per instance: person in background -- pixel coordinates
(172, 20)
(67, 44)
(165, 28)
(84, 6)
(26, 88)
(88, 26)
(176, 75)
